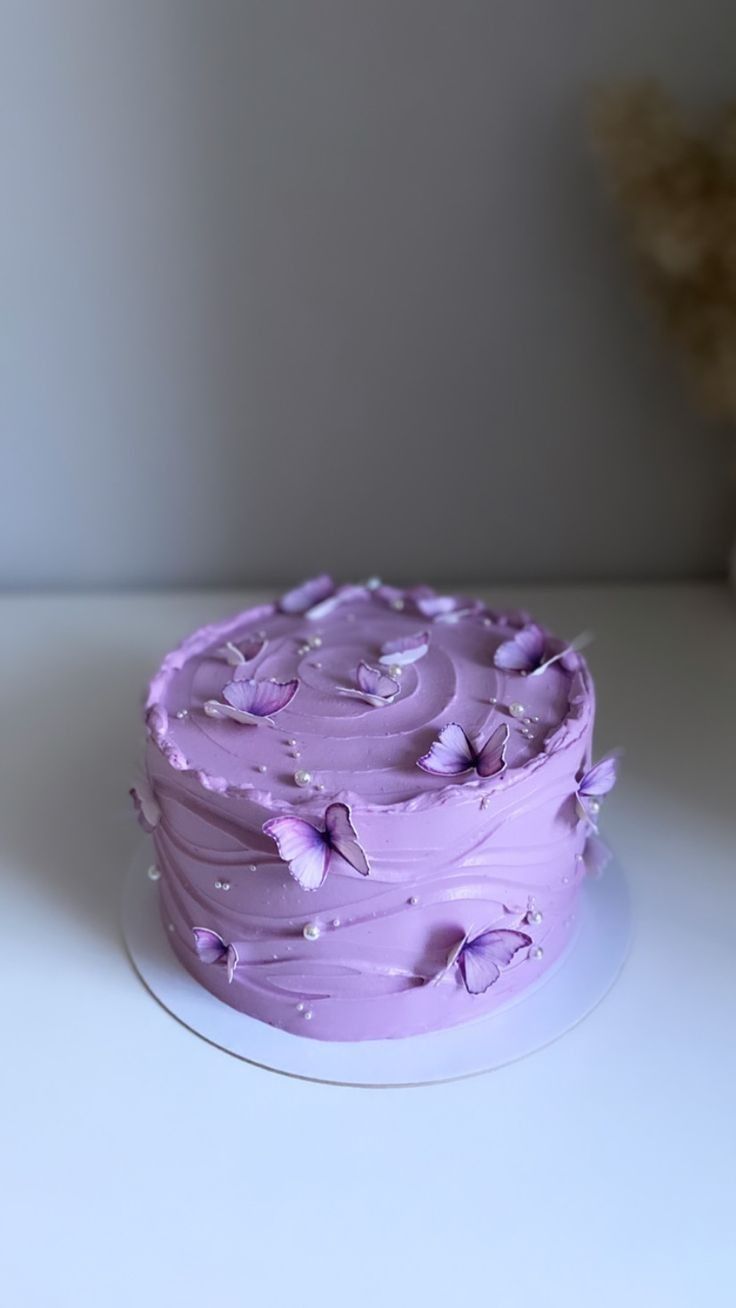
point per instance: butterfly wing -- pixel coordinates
(342, 837)
(376, 682)
(596, 856)
(450, 754)
(210, 947)
(599, 779)
(307, 595)
(260, 699)
(342, 596)
(231, 654)
(482, 957)
(432, 606)
(523, 652)
(491, 761)
(146, 806)
(231, 961)
(303, 847)
(407, 649)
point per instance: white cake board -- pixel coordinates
(563, 997)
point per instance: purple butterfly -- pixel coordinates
(245, 652)
(251, 702)
(480, 956)
(446, 608)
(374, 686)
(453, 752)
(307, 595)
(212, 949)
(146, 806)
(308, 850)
(593, 785)
(407, 649)
(341, 596)
(530, 651)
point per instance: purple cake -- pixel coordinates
(372, 808)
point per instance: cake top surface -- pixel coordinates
(340, 692)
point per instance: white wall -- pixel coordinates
(295, 283)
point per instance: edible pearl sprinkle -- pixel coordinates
(594, 806)
(517, 710)
(300, 1007)
(335, 921)
(251, 867)
(413, 900)
(182, 713)
(373, 583)
(261, 767)
(311, 931)
(226, 885)
(307, 1015)
(537, 952)
(296, 753)
(314, 642)
(172, 927)
(153, 874)
(534, 916)
(302, 778)
(493, 700)
(395, 671)
(397, 604)
(320, 785)
(317, 665)
(293, 743)
(218, 885)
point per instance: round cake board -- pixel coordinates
(561, 999)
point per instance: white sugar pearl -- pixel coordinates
(303, 649)
(172, 927)
(300, 1007)
(302, 778)
(307, 1015)
(594, 806)
(314, 642)
(517, 710)
(537, 952)
(296, 753)
(413, 900)
(261, 767)
(395, 671)
(218, 885)
(251, 867)
(335, 921)
(293, 743)
(493, 700)
(311, 931)
(153, 873)
(373, 583)
(397, 604)
(317, 665)
(320, 785)
(534, 916)
(226, 885)
(182, 713)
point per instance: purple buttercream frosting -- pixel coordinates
(450, 858)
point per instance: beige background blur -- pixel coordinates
(304, 283)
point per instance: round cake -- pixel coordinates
(372, 808)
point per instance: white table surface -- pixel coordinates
(141, 1166)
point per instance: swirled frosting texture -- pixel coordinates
(446, 855)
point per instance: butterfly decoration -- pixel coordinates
(596, 856)
(481, 955)
(211, 948)
(343, 595)
(374, 686)
(446, 608)
(453, 753)
(309, 850)
(244, 652)
(593, 785)
(306, 596)
(146, 806)
(530, 652)
(404, 650)
(251, 702)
